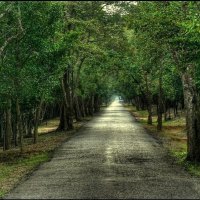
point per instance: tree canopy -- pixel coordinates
(73, 56)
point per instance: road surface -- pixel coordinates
(110, 157)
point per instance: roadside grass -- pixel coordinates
(11, 172)
(15, 165)
(173, 137)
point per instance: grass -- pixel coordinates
(173, 137)
(191, 167)
(15, 165)
(12, 172)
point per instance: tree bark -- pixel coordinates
(192, 105)
(8, 131)
(3, 126)
(137, 103)
(30, 124)
(19, 125)
(77, 109)
(149, 101)
(96, 103)
(165, 110)
(82, 106)
(86, 101)
(14, 130)
(67, 109)
(37, 118)
(91, 105)
(63, 125)
(160, 103)
(68, 99)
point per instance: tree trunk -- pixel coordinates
(149, 101)
(192, 105)
(77, 109)
(30, 124)
(8, 131)
(86, 106)
(25, 127)
(67, 100)
(149, 114)
(165, 110)
(19, 125)
(2, 122)
(96, 103)
(175, 109)
(14, 130)
(137, 103)
(1, 129)
(91, 105)
(37, 118)
(82, 107)
(160, 103)
(63, 125)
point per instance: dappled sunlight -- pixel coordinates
(48, 126)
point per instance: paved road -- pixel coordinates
(111, 157)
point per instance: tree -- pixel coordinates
(180, 38)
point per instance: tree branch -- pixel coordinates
(8, 40)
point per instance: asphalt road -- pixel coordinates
(110, 157)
